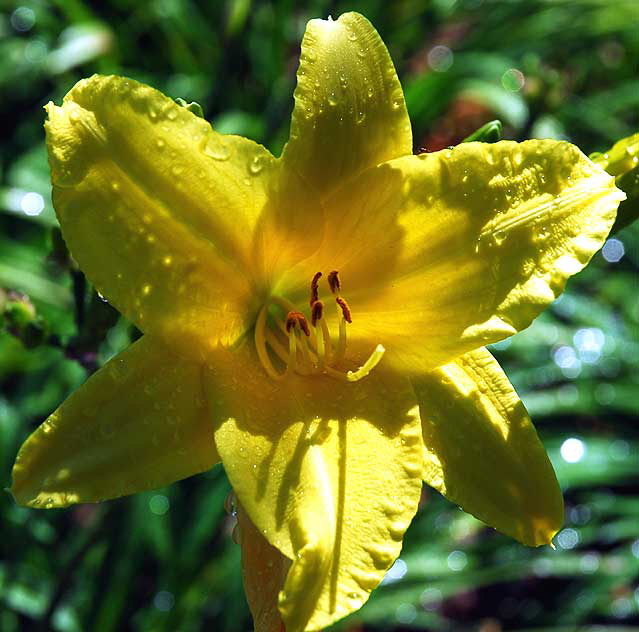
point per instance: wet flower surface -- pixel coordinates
(315, 321)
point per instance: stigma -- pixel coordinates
(287, 342)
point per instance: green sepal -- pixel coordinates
(488, 133)
(193, 107)
(622, 161)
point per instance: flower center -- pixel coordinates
(283, 336)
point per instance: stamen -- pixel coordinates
(317, 310)
(326, 337)
(295, 323)
(345, 317)
(278, 348)
(308, 354)
(291, 366)
(341, 342)
(297, 318)
(260, 345)
(334, 282)
(307, 363)
(346, 310)
(322, 338)
(321, 351)
(315, 289)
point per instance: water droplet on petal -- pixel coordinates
(256, 165)
(332, 99)
(217, 150)
(397, 99)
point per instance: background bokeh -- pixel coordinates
(165, 560)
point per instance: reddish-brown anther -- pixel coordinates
(346, 310)
(314, 289)
(317, 310)
(297, 318)
(334, 282)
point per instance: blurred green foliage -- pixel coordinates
(164, 560)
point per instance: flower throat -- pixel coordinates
(308, 350)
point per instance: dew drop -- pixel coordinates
(217, 150)
(230, 504)
(499, 236)
(309, 57)
(256, 165)
(542, 234)
(159, 143)
(332, 99)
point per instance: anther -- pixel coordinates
(317, 310)
(314, 289)
(297, 318)
(334, 282)
(346, 310)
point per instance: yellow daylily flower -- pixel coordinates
(328, 397)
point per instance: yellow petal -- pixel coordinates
(349, 106)
(164, 215)
(470, 244)
(264, 571)
(482, 452)
(138, 423)
(328, 471)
